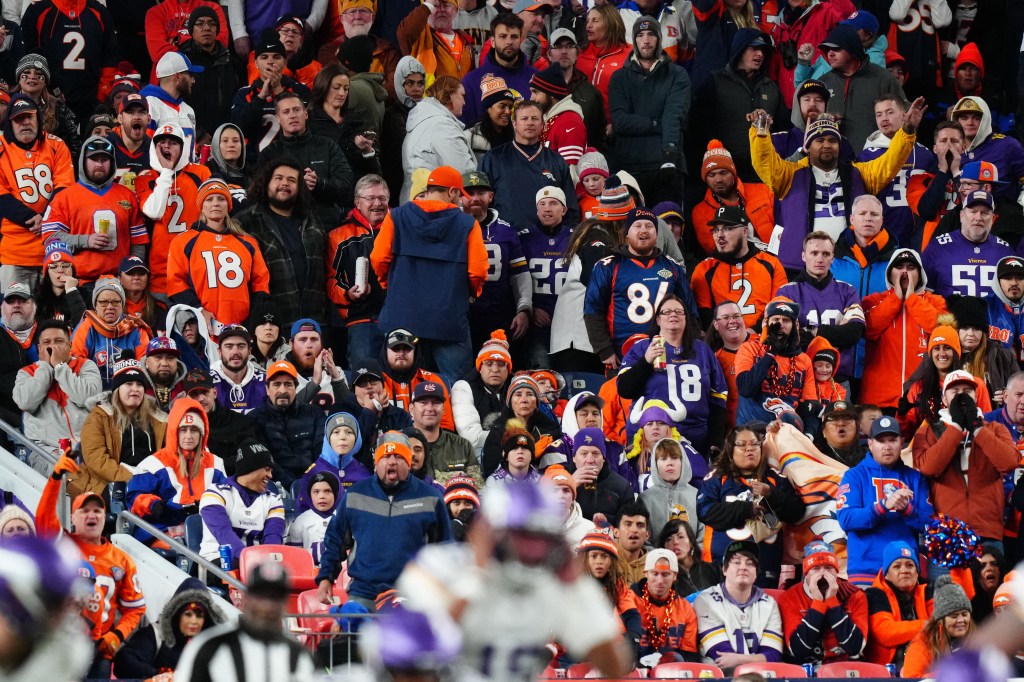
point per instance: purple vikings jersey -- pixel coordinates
(836, 303)
(626, 292)
(896, 213)
(545, 257)
(504, 259)
(955, 265)
(695, 383)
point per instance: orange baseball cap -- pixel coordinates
(446, 176)
(80, 501)
(282, 367)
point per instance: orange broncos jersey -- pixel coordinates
(30, 178)
(80, 210)
(221, 268)
(117, 598)
(750, 283)
(182, 210)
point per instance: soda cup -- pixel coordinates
(204, 154)
(225, 557)
(662, 360)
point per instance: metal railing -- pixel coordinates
(182, 549)
(18, 437)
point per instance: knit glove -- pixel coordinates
(964, 412)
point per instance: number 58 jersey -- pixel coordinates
(28, 180)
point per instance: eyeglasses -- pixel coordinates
(719, 229)
(729, 318)
(375, 197)
(743, 445)
(675, 312)
(289, 31)
(107, 302)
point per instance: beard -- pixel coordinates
(285, 204)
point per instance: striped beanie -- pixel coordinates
(522, 381)
(825, 124)
(494, 348)
(615, 201)
(593, 163)
(599, 539)
(715, 158)
(461, 487)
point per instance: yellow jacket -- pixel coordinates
(777, 173)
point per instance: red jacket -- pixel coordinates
(599, 67)
(812, 25)
(166, 27)
(979, 500)
(824, 631)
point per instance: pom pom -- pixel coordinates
(715, 144)
(950, 542)
(499, 334)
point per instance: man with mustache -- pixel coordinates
(736, 270)
(505, 59)
(1006, 305)
(964, 262)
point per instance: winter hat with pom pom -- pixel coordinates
(495, 348)
(715, 158)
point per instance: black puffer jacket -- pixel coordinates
(606, 495)
(294, 434)
(539, 425)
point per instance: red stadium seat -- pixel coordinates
(311, 626)
(686, 671)
(297, 561)
(773, 592)
(772, 669)
(588, 671)
(853, 669)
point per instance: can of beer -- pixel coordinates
(204, 154)
(809, 669)
(104, 225)
(892, 669)
(662, 360)
(225, 557)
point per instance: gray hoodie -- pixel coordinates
(664, 500)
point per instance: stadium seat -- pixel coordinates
(193, 539)
(773, 670)
(853, 669)
(578, 670)
(773, 592)
(635, 673)
(310, 627)
(686, 671)
(578, 382)
(297, 561)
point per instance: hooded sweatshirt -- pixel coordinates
(166, 475)
(346, 467)
(897, 333)
(1005, 153)
(1006, 321)
(75, 214)
(169, 199)
(406, 65)
(666, 500)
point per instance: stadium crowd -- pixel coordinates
(328, 274)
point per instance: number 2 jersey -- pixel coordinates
(625, 290)
(218, 271)
(956, 265)
(750, 282)
(28, 178)
(77, 38)
(180, 210)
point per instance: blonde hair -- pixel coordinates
(143, 417)
(744, 18)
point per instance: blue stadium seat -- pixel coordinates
(578, 382)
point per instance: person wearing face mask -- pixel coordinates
(964, 458)
(167, 485)
(390, 516)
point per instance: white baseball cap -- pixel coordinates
(661, 560)
(175, 62)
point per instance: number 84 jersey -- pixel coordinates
(625, 290)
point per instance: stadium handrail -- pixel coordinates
(182, 549)
(20, 439)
